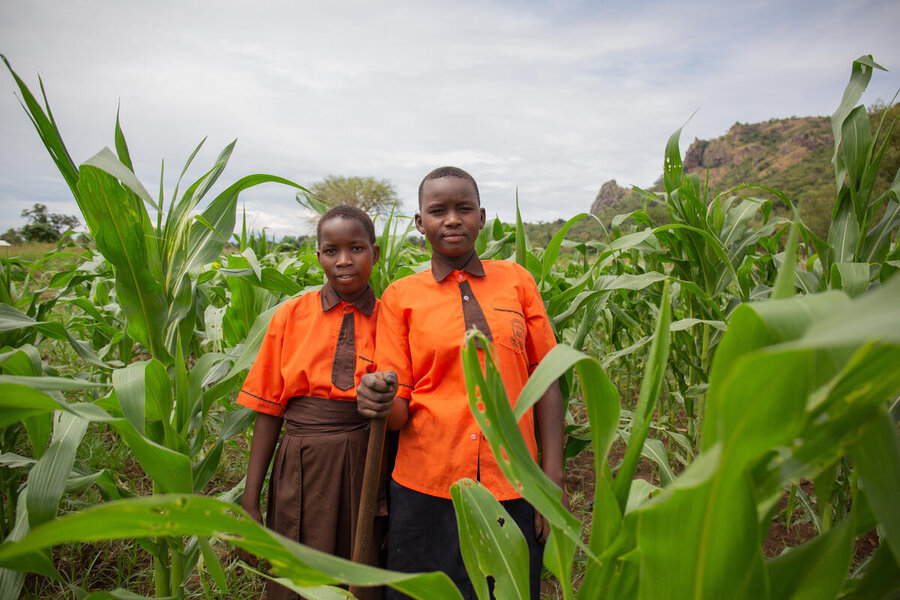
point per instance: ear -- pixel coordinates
(483, 218)
(319, 257)
(376, 253)
(419, 227)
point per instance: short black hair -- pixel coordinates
(449, 172)
(347, 211)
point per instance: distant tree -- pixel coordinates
(375, 196)
(12, 236)
(45, 227)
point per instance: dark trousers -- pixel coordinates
(423, 536)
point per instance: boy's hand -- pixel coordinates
(375, 394)
(542, 525)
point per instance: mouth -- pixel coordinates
(454, 237)
(345, 277)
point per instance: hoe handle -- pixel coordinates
(362, 545)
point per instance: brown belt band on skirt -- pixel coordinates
(311, 416)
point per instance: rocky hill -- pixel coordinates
(792, 155)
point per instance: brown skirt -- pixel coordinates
(314, 488)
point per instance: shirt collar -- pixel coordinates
(440, 268)
(365, 302)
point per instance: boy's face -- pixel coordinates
(346, 255)
(449, 215)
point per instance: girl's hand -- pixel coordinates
(250, 559)
(256, 515)
(375, 394)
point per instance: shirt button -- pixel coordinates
(474, 436)
(460, 276)
(466, 298)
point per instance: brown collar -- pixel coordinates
(365, 302)
(440, 269)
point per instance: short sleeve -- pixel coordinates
(392, 342)
(541, 338)
(263, 388)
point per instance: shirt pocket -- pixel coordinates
(508, 326)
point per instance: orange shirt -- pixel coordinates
(421, 325)
(297, 356)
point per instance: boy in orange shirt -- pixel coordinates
(316, 348)
(422, 322)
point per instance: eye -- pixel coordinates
(329, 251)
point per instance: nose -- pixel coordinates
(452, 219)
(343, 258)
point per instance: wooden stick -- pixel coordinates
(362, 545)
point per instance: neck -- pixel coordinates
(351, 298)
(457, 262)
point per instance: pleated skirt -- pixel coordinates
(316, 479)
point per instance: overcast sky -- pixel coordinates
(553, 98)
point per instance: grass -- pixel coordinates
(29, 251)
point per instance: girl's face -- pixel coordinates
(346, 255)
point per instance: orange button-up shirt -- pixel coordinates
(421, 326)
(297, 355)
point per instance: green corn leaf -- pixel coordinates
(494, 415)
(36, 561)
(312, 202)
(252, 342)
(39, 428)
(490, 542)
(878, 239)
(874, 317)
(713, 244)
(672, 166)
(204, 242)
(521, 240)
(107, 162)
(48, 132)
(181, 515)
(47, 479)
(860, 76)
(856, 145)
(169, 469)
(12, 319)
(877, 457)
(784, 281)
(52, 384)
(319, 592)
(211, 560)
(650, 388)
(119, 228)
(129, 384)
(852, 278)
(122, 146)
(559, 555)
(271, 279)
(19, 402)
(552, 251)
(177, 220)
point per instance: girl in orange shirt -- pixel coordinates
(316, 348)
